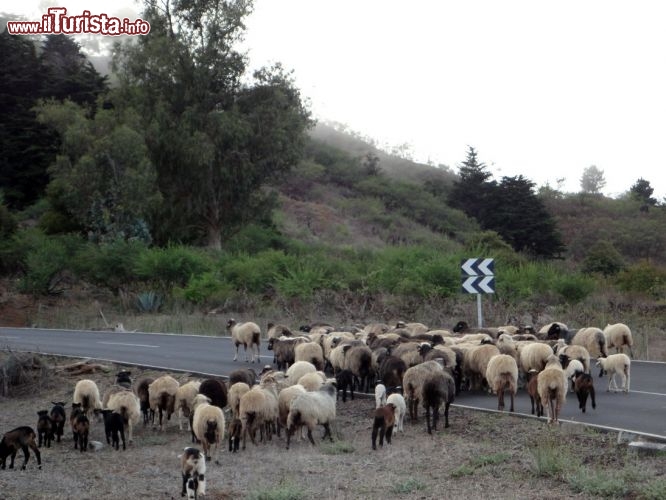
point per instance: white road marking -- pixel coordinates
(7, 337)
(130, 345)
(650, 393)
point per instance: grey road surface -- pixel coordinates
(642, 410)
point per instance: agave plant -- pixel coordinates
(148, 302)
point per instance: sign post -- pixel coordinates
(478, 277)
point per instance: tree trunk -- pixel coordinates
(214, 237)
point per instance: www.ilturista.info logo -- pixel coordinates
(57, 22)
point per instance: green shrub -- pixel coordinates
(604, 259)
(284, 491)
(409, 486)
(573, 288)
(602, 484)
(45, 264)
(551, 459)
(256, 273)
(170, 266)
(643, 278)
(302, 280)
(148, 302)
(110, 265)
(253, 239)
(207, 288)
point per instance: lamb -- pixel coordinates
(438, 387)
(618, 335)
(258, 409)
(616, 364)
(310, 351)
(345, 380)
(193, 467)
(236, 391)
(462, 327)
(413, 381)
(208, 425)
(383, 424)
(127, 404)
(533, 391)
(400, 409)
(235, 431)
(80, 428)
(572, 352)
(58, 417)
(584, 386)
(571, 370)
(141, 390)
(162, 397)
(113, 427)
(380, 395)
(248, 334)
(87, 394)
(246, 375)
(552, 388)
(44, 428)
(23, 438)
(184, 397)
(502, 374)
(312, 409)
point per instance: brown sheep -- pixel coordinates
(383, 424)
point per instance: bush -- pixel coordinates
(604, 259)
(254, 238)
(643, 278)
(256, 273)
(171, 266)
(110, 265)
(207, 288)
(45, 265)
(573, 288)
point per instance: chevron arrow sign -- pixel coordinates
(479, 284)
(478, 267)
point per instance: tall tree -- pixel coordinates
(642, 191)
(521, 218)
(102, 179)
(470, 193)
(214, 139)
(592, 181)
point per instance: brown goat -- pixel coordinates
(383, 424)
(584, 386)
(19, 438)
(235, 432)
(44, 428)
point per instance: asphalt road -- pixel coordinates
(642, 410)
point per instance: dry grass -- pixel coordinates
(479, 456)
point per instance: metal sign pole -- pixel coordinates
(479, 310)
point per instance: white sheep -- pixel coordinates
(502, 374)
(247, 334)
(380, 395)
(127, 404)
(412, 383)
(400, 409)
(475, 363)
(311, 352)
(297, 370)
(162, 397)
(573, 352)
(87, 394)
(592, 339)
(552, 388)
(258, 410)
(183, 403)
(208, 425)
(619, 364)
(285, 398)
(193, 468)
(236, 392)
(312, 381)
(533, 356)
(312, 409)
(619, 335)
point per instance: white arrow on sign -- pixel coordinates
(478, 267)
(477, 284)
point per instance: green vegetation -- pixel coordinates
(284, 491)
(408, 486)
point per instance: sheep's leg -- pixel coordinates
(512, 398)
(428, 419)
(327, 428)
(201, 486)
(500, 400)
(236, 355)
(186, 476)
(310, 436)
(628, 373)
(375, 430)
(13, 456)
(389, 432)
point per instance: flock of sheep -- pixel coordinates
(409, 365)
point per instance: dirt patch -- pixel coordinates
(479, 456)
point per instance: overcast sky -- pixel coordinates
(540, 88)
